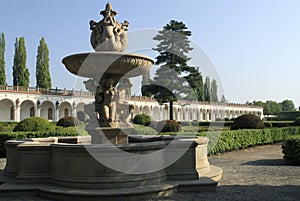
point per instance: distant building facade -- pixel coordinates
(18, 103)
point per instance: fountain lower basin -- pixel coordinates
(71, 163)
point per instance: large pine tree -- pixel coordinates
(20, 71)
(173, 48)
(2, 60)
(43, 78)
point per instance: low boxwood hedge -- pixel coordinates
(4, 136)
(239, 139)
(291, 150)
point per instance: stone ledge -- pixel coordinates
(129, 194)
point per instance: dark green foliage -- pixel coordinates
(173, 48)
(2, 60)
(1, 128)
(35, 134)
(239, 139)
(291, 150)
(68, 121)
(143, 130)
(34, 124)
(214, 91)
(296, 122)
(247, 121)
(195, 80)
(20, 71)
(207, 90)
(288, 106)
(43, 78)
(170, 126)
(142, 119)
(288, 116)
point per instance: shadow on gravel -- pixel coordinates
(267, 162)
(238, 193)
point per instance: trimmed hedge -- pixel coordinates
(247, 121)
(142, 119)
(239, 139)
(4, 136)
(143, 130)
(291, 150)
(33, 124)
(68, 121)
(287, 116)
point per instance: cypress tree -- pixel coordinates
(214, 91)
(207, 90)
(43, 78)
(20, 71)
(2, 60)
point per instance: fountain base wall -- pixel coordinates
(51, 163)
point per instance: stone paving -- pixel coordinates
(257, 173)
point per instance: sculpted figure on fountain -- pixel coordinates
(109, 34)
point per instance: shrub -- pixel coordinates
(142, 119)
(68, 121)
(33, 124)
(291, 150)
(170, 126)
(220, 142)
(247, 121)
(143, 130)
(1, 128)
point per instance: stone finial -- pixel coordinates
(109, 34)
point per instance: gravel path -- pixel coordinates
(257, 173)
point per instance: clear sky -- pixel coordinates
(254, 44)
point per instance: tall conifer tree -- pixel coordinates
(214, 91)
(20, 71)
(173, 48)
(2, 60)
(207, 90)
(43, 78)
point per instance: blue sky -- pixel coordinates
(255, 45)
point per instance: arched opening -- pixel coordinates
(66, 112)
(50, 114)
(7, 110)
(27, 109)
(32, 112)
(47, 110)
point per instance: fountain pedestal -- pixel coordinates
(109, 135)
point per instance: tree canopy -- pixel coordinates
(173, 48)
(20, 71)
(43, 78)
(2, 60)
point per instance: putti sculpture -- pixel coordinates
(109, 69)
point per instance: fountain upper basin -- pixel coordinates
(98, 64)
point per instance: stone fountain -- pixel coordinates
(108, 67)
(110, 164)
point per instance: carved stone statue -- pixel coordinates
(109, 34)
(124, 109)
